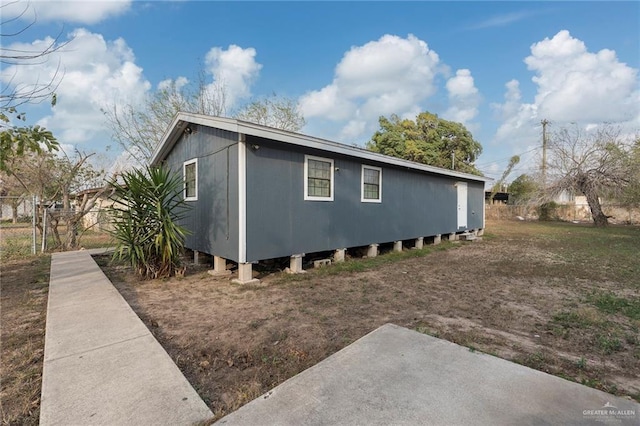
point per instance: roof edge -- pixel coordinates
(182, 119)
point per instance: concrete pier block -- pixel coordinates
(452, 236)
(437, 239)
(397, 246)
(245, 275)
(295, 264)
(339, 255)
(196, 257)
(480, 232)
(419, 243)
(219, 267)
(373, 250)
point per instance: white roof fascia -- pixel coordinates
(238, 126)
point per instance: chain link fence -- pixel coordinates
(18, 233)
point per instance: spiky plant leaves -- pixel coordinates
(147, 212)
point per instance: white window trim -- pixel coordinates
(184, 179)
(307, 197)
(371, 200)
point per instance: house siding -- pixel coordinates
(281, 223)
(213, 218)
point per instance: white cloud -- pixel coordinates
(577, 85)
(179, 83)
(80, 12)
(95, 73)
(392, 75)
(235, 69)
(463, 98)
(573, 85)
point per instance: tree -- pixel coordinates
(498, 185)
(523, 189)
(56, 178)
(13, 95)
(273, 111)
(16, 141)
(139, 129)
(592, 162)
(149, 206)
(630, 196)
(430, 140)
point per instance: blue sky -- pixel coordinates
(499, 67)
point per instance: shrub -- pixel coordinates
(148, 207)
(548, 211)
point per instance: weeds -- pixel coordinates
(581, 363)
(611, 304)
(609, 344)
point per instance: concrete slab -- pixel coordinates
(101, 364)
(401, 377)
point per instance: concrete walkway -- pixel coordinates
(101, 364)
(396, 376)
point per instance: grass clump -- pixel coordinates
(611, 304)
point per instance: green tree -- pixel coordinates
(523, 189)
(430, 140)
(15, 141)
(146, 215)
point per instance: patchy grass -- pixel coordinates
(23, 287)
(612, 304)
(558, 297)
(16, 241)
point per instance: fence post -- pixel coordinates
(44, 229)
(34, 235)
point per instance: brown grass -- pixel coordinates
(561, 298)
(23, 287)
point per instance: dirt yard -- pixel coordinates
(561, 298)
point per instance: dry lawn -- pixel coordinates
(23, 306)
(557, 297)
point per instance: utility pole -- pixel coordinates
(544, 152)
(453, 160)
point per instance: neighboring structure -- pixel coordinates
(261, 193)
(98, 218)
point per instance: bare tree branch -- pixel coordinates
(593, 163)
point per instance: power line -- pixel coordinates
(507, 158)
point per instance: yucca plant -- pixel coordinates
(148, 206)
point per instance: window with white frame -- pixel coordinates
(190, 176)
(318, 178)
(371, 184)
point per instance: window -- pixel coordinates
(190, 175)
(371, 184)
(318, 177)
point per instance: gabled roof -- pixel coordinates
(183, 119)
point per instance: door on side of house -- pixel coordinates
(462, 204)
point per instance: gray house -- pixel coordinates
(261, 193)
